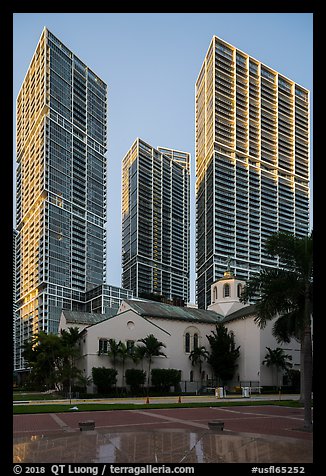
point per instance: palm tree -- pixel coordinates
(114, 351)
(152, 349)
(138, 354)
(197, 356)
(285, 293)
(278, 359)
(70, 352)
(114, 354)
(124, 354)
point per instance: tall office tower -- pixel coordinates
(155, 221)
(252, 163)
(61, 185)
(14, 291)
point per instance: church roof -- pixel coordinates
(88, 318)
(240, 313)
(167, 311)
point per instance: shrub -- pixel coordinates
(165, 378)
(104, 378)
(135, 378)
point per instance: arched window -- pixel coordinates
(215, 293)
(191, 376)
(226, 290)
(195, 341)
(239, 290)
(191, 339)
(187, 342)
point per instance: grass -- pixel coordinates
(17, 396)
(90, 407)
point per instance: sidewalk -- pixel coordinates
(168, 399)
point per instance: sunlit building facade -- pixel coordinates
(156, 221)
(61, 187)
(252, 163)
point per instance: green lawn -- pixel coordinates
(59, 408)
(17, 396)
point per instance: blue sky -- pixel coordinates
(150, 62)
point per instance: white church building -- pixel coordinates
(180, 329)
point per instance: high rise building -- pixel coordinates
(155, 221)
(61, 187)
(252, 163)
(14, 292)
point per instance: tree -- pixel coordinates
(197, 356)
(70, 352)
(82, 382)
(285, 294)
(152, 348)
(278, 359)
(224, 353)
(43, 354)
(51, 358)
(123, 354)
(114, 351)
(138, 354)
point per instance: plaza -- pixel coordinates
(251, 434)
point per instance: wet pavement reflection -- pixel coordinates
(160, 446)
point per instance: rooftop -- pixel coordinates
(240, 313)
(167, 311)
(88, 318)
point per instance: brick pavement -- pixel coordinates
(264, 420)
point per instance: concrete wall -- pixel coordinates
(247, 335)
(253, 342)
(128, 325)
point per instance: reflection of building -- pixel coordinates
(155, 221)
(182, 329)
(184, 444)
(61, 186)
(252, 163)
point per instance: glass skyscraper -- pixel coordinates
(61, 187)
(155, 221)
(252, 163)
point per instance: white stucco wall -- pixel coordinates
(128, 325)
(177, 356)
(253, 342)
(246, 334)
(269, 375)
(125, 326)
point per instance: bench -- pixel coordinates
(86, 425)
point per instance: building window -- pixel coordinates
(195, 341)
(239, 290)
(187, 343)
(226, 290)
(191, 377)
(130, 346)
(215, 294)
(102, 346)
(191, 338)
